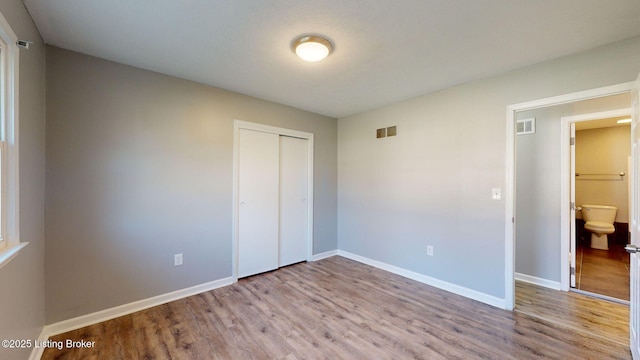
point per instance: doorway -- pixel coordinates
(563, 202)
(597, 143)
(542, 224)
(543, 266)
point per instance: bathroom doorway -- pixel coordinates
(631, 89)
(538, 221)
(599, 149)
(542, 185)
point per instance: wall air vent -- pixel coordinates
(526, 126)
(386, 132)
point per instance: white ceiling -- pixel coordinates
(385, 50)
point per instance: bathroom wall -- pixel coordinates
(538, 186)
(604, 151)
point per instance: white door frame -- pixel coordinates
(510, 200)
(240, 124)
(565, 190)
(634, 299)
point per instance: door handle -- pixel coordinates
(632, 249)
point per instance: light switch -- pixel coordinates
(177, 259)
(496, 194)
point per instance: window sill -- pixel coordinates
(9, 253)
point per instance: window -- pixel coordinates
(9, 227)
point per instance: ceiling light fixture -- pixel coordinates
(624, 121)
(312, 48)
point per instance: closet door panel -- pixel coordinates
(293, 200)
(258, 183)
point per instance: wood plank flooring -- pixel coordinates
(575, 311)
(604, 272)
(333, 309)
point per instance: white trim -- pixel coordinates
(114, 312)
(310, 157)
(565, 187)
(324, 255)
(36, 352)
(11, 107)
(126, 309)
(9, 253)
(3, 194)
(538, 281)
(13, 156)
(240, 124)
(509, 284)
(573, 97)
(510, 213)
(235, 207)
(597, 115)
(443, 285)
(565, 209)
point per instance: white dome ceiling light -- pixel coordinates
(312, 48)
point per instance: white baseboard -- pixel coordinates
(114, 312)
(443, 285)
(324, 255)
(36, 352)
(555, 285)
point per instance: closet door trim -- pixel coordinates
(240, 124)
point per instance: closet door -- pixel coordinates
(293, 200)
(258, 173)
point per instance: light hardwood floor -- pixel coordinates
(580, 313)
(334, 309)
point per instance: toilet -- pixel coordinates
(599, 221)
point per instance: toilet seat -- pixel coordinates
(599, 227)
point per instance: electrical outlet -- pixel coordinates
(430, 250)
(177, 259)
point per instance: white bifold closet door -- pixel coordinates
(272, 195)
(258, 174)
(294, 221)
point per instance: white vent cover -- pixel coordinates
(526, 126)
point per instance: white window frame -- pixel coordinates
(9, 168)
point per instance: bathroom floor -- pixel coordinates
(603, 272)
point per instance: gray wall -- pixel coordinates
(538, 186)
(22, 280)
(139, 167)
(431, 185)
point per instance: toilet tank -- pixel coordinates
(601, 213)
